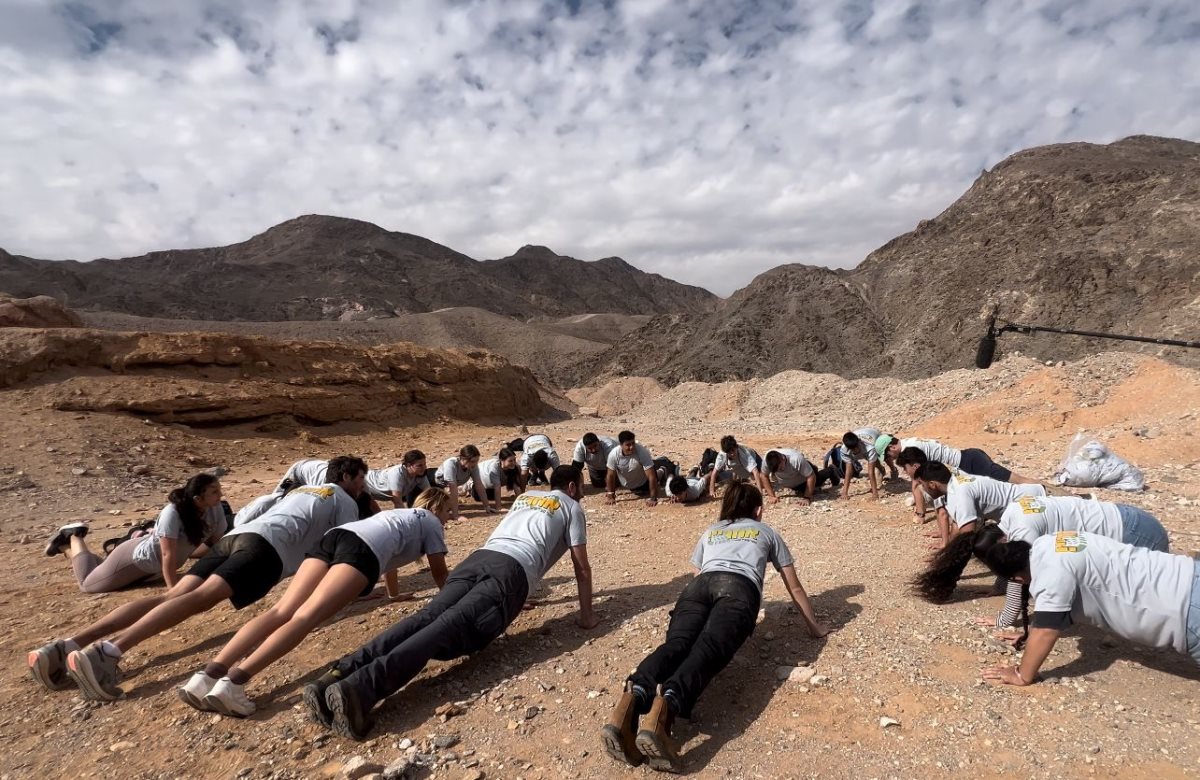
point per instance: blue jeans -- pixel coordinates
(1193, 622)
(1142, 529)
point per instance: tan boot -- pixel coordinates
(618, 736)
(654, 738)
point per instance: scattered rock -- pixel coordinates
(402, 768)
(885, 722)
(118, 747)
(140, 468)
(358, 767)
(445, 741)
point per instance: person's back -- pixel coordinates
(935, 450)
(299, 520)
(741, 547)
(539, 528)
(970, 498)
(1030, 517)
(1136, 593)
(792, 470)
(308, 472)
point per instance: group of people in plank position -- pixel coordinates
(1074, 558)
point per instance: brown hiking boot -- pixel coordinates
(618, 734)
(654, 739)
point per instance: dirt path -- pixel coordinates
(533, 702)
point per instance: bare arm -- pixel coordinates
(874, 478)
(800, 599)
(437, 569)
(765, 483)
(943, 521)
(1037, 649)
(399, 500)
(391, 581)
(712, 483)
(918, 494)
(810, 487)
(610, 485)
(583, 581)
(848, 474)
(168, 548)
(653, 477)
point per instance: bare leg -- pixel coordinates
(173, 611)
(257, 630)
(78, 547)
(128, 614)
(336, 590)
(1017, 479)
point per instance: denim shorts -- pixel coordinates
(1193, 621)
(1142, 529)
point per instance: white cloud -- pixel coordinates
(705, 141)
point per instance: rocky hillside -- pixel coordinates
(328, 268)
(791, 317)
(1083, 236)
(209, 378)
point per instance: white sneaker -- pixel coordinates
(230, 699)
(194, 690)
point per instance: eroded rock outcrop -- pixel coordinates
(207, 378)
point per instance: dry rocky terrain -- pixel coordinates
(530, 706)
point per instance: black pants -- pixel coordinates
(714, 615)
(482, 596)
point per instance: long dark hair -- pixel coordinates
(184, 501)
(741, 501)
(938, 581)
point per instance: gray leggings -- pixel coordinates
(112, 573)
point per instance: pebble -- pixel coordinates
(358, 767)
(885, 722)
(445, 741)
(118, 747)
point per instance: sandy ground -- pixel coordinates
(532, 703)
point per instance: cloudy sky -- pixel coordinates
(707, 141)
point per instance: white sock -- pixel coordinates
(109, 649)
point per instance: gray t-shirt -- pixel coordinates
(631, 469)
(299, 520)
(1136, 593)
(536, 443)
(400, 536)
(597, 461)
(742, 547)
(743, 462)
(865, 448)
(794, 469)
(696, 487)
(537, 530)
(453, 472)
(970, 497)
(1031, 517)
(307, 472)
(491, 474)
(935, 450)
(382, 483)
(147, 556)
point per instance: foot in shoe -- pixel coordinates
(62, 537)
(349, 719)
(229, 698)
(96, 673)
(314, 699)
(195, 689)
(48, 665)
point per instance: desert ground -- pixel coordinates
(531, 705)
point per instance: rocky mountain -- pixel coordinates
(1082, 236)
(325, 268)
(794, 316)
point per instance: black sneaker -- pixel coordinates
(62, 538)
(314, 698)
(349, 717)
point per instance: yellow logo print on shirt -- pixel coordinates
(736, 535)
(1031, 506)
(1069, 542)
(546, 504)
(320, 492)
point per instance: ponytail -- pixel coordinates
(741, 502)
(184, 501)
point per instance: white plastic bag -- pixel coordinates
(1090, 464)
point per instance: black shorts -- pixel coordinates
(342, 546)
(248, 564)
